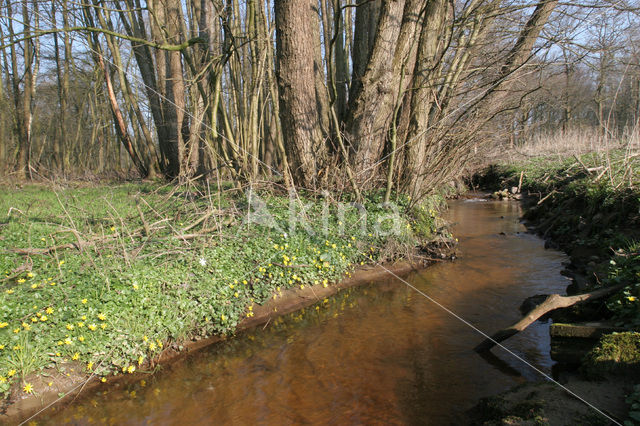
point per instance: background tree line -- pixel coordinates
(395, 94)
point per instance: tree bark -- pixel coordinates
(430, 46)
(371, 109)
(295, 51)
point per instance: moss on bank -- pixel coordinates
(108, 277)
(616, 353)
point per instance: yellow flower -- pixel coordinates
(43, 318)
(84, 301)
(244, 282)
(3, 324)
(92, 327)
(1, 347)
(631, 298)
(50, 384)
(113, 228)
(67, 341)
(75, 356)
(61, 263)
(52, 284)
(11, 373)
(131, 369)
(70, 327)
(223, 317)
(231, 286)
(28, 388)
(10, 291)
(102, 317)
(81, 324)
(34, 319)
(81, 338)
(145, 338)
(90, 365)
(49, 310)
(16, 330)
(30, 274)
(152, 346)
(103, 380)
(103, 326)
(21, 280)
(140, 360)
(26, 326)
(83, 318)
(3, 379)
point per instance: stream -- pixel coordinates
(375, 354)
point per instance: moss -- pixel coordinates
(616, 353)
(496, 410)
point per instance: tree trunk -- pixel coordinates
(372, 106)
(295, 51)
(430, 47)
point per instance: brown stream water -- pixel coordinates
(376, 354)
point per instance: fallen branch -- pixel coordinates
(552, 302)
(547, 196)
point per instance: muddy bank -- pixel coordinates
(68, 382)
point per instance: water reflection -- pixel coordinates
(376, 354)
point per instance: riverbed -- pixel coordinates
(379, 353)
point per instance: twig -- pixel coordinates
(542, 200)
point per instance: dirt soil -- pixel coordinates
(548, 403)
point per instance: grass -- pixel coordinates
(109, 276)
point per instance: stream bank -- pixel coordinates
(97, 292)
(376, 353)
(597, 223)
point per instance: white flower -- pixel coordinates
(285, 235)
(203, 261)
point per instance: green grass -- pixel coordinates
(155, 265)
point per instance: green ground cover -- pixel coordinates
(108, 276)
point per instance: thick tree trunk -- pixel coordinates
(365, 30)
(297, 89)
(372, 107)
(430, 46)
